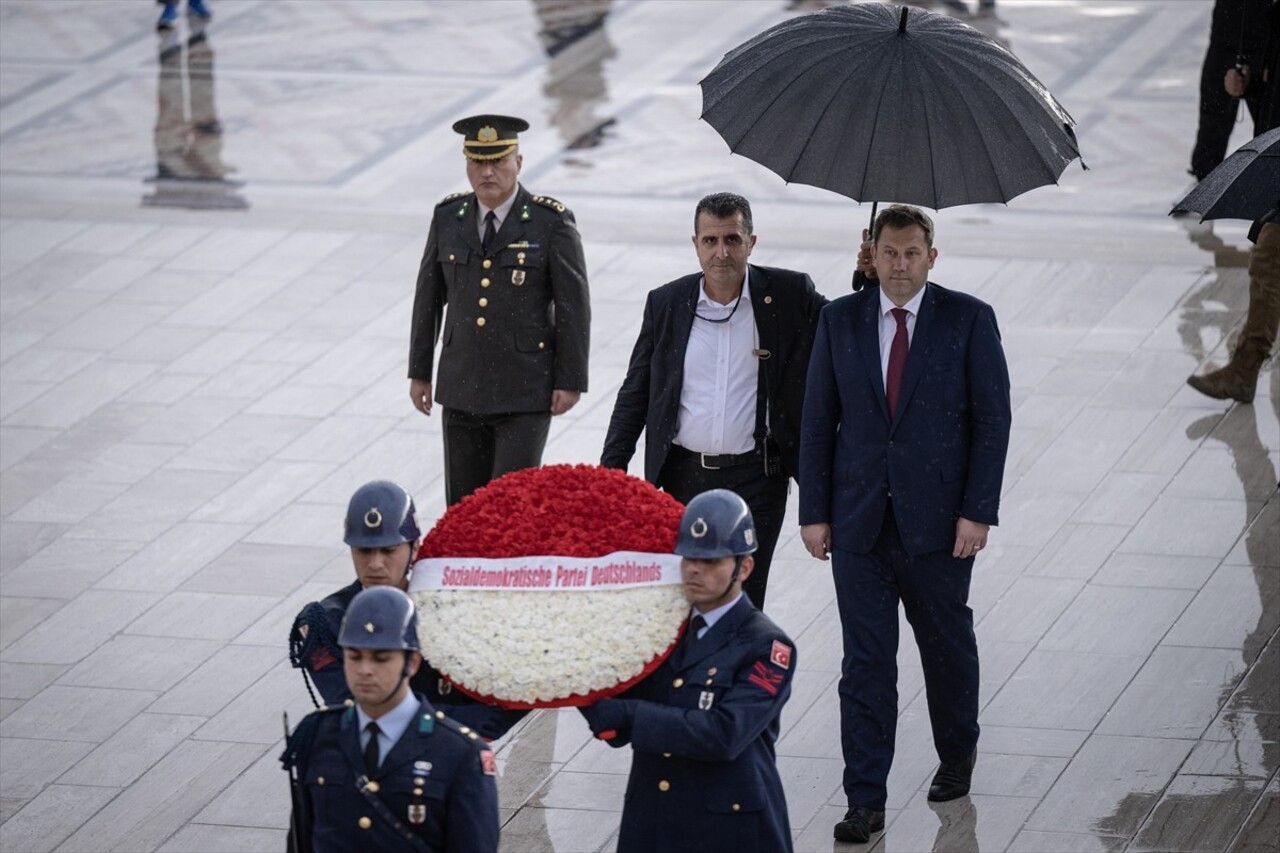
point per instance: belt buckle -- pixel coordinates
(702, 460)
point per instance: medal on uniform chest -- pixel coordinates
(704, 700)
(517, 277)
(417, 813)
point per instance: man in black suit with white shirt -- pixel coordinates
(716, 378)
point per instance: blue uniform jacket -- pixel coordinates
(437, 784)
(319, 655)
(703, 728)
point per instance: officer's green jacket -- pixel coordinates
(518, 318)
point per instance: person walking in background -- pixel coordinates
(1238, 380)
(510, 267)
(716, 378)
(902, 452)
(1235, 38)
(169, 14)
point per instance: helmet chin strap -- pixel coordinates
(737, 568)
(404, 673)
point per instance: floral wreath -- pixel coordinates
(532, 643)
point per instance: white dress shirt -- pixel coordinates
(889, 328)
(721, 375)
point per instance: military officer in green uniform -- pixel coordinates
(510, 268)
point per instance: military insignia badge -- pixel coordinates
(444, 687)
(704, 700)
(487, 134)
(699, 528)
(373, 518)
(423, 767)
(487, 762)
(368, 627)
(781, 654)
(417, 814)
(749, 535)
(517, 277)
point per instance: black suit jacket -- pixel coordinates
(786, 307)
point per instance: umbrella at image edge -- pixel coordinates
(879, 104)
(1246, 185)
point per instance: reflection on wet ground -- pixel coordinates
(188, 395)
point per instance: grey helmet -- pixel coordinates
(716, 524)
(380, 617)
(380, 514)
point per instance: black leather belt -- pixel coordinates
(713, 461)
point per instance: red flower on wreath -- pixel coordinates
(559, 510)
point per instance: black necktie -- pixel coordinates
(490, 229)
(695, 625)
(371, 749)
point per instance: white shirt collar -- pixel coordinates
(912, 306)
(705, 301)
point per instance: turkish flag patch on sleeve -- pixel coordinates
(487, 762)
(781, 654)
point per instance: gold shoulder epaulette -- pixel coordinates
(548, 201)
(450, 197)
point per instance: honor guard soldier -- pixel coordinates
(383, 535)
(387, 771)
(703, 726)
(510, 267)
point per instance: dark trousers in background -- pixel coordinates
(480, 448)
(934, 591)
(683, 477)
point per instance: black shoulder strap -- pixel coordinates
(414, 842)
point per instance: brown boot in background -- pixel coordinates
(1239, 379)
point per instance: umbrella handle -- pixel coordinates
(860, 281)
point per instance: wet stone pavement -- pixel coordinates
(208, 244)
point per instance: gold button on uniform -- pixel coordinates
(320, 781)
(373, 787)
(364, 823)
(484, 303)
(417, 792)
(452, 258)
(666, 755)
(541, 345)
(664, 785)
(737, 807)
(679, 682)
(484, 282)
(487, 263)
(479, 321)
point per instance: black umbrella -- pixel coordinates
(1246, 185)
(882, 105)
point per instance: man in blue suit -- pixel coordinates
(902, 451)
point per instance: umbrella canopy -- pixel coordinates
(882, 104)
(1246, 185)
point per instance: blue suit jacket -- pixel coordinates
(942, 457)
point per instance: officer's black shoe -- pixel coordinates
(858, 824)
(952, 780)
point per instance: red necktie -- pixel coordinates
(897, 362)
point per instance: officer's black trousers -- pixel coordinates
(480, 448)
